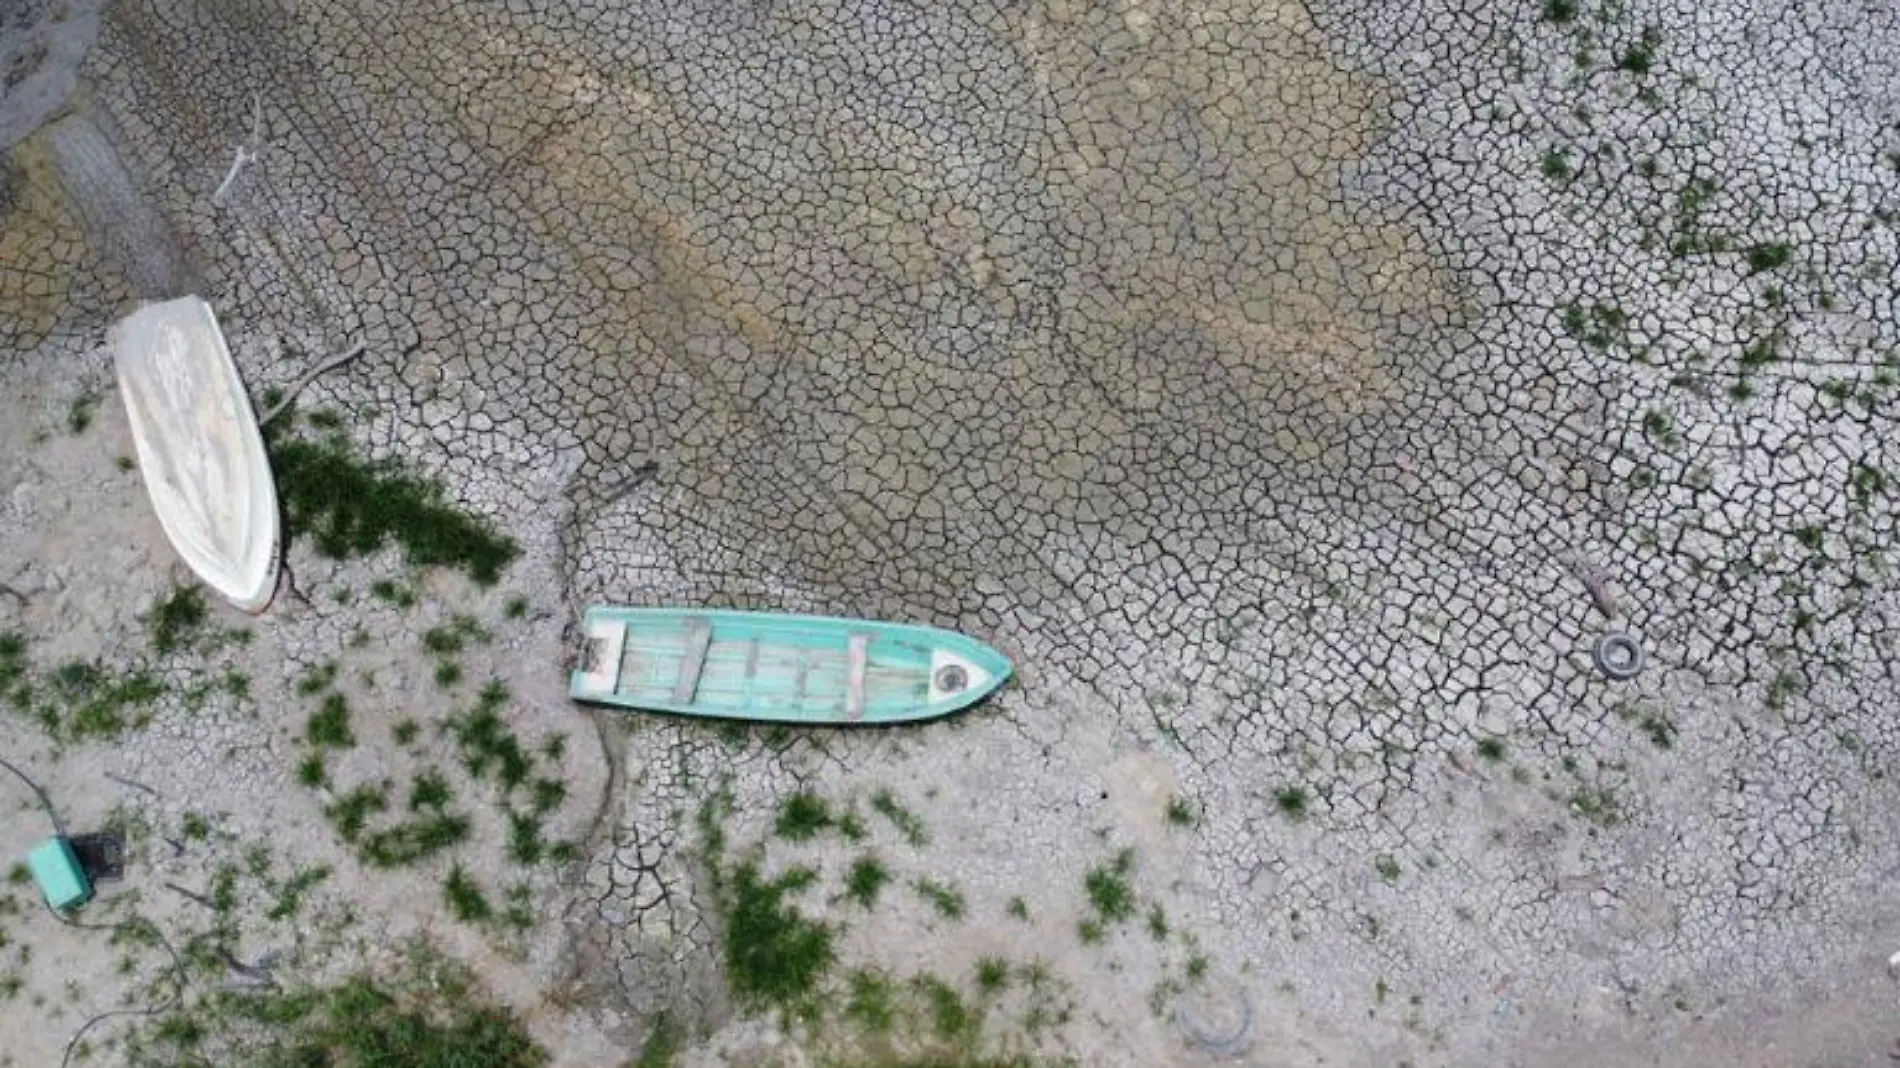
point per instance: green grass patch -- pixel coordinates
(1640, 56)
(663, 1043)
(1017, 909)
(1660, 730)
(486, 744)
(519, 913)
(465, 898)
(393, 593)
(946, 899)
(992, 975)
(775, 957)
(99, 703)
(851, 826)
(1597, 805)
(177, 619)
(317, 679)
(402, 844)
(1292, 802)
(1387, 866)
(865, 880)
(1491, 749)
(1560, 12)
(350, 813)
(360, 1023)
(451, 638)
(349, 506)
(1109, 889)
(329, 726)
(1180, 813)
(803, 816)
(885, 804)
(1768, 257)
(429, 790)
(870, 1001)
(1763, 351)
(951, 1019)
(79, 412)
(13, 663)
(525, 845)
(312, 772)
(292, 891)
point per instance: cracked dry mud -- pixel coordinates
(1295, 391)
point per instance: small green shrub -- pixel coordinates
(453, 637)
(79, 412)
(1109, 890)
(311, 771)
(865, 880)
(1180, 813)
(465, 898)
(1768, 257)
(177, 619)
(803, 816)
(869, 1001)
(350, 813)
(885, 804)
(1640, 56)
(992, 974)
(946, 899)
(329, 726)
(406, 843)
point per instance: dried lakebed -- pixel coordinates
(1297, 393)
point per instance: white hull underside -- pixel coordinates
(199, 447)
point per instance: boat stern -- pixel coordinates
(599, 671)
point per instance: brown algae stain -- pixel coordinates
(42, 246)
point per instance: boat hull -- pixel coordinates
(780, 668)
(199, 448)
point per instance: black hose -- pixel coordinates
(59, 829)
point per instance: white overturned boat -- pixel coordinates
(199, 447)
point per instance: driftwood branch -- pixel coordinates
(246, 152)
(639, 475)
(310, 376)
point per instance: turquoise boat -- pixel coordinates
(780, 668)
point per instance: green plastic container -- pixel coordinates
(56, 869)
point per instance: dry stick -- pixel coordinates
(133, 784)
(627, 485)
(193, 896)
(327, 365)
(244, 154)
